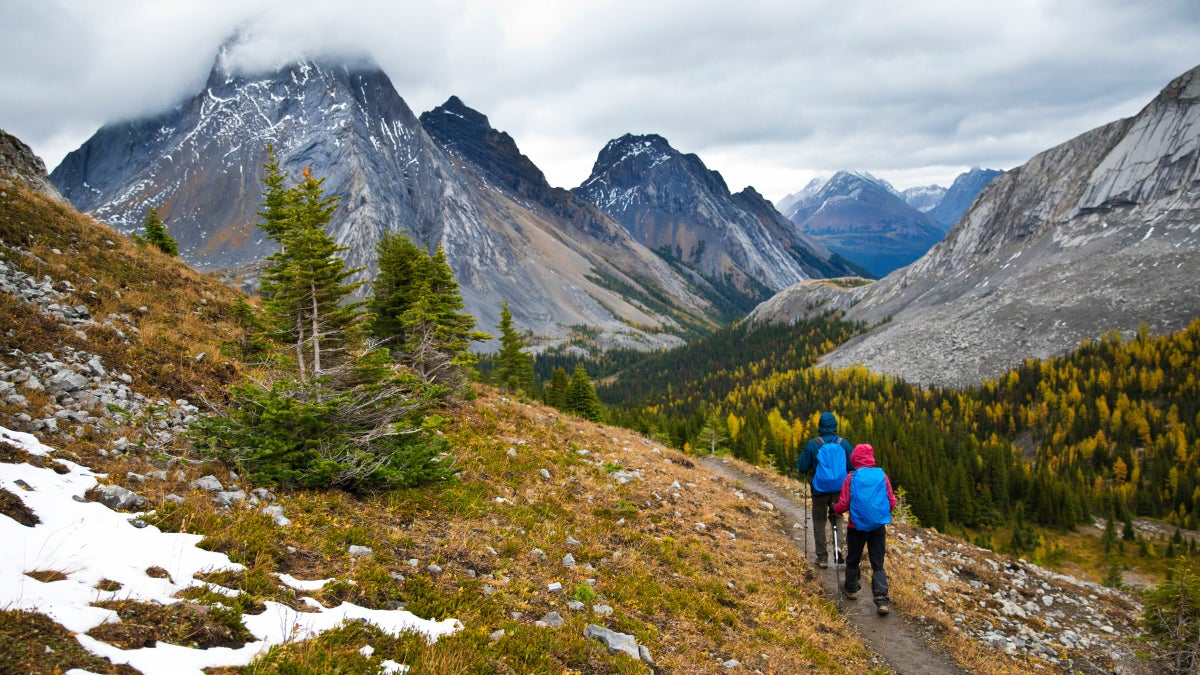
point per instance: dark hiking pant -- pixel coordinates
(875, 541)
(822, 511)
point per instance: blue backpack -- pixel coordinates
(831, 466)
(869, 506)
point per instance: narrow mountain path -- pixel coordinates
(897, 641)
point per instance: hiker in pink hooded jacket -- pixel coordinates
(867, 496)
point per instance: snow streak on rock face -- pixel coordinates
(1099, 233)
(200, 164)
(673, 204)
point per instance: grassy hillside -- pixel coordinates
(664, 545)
(695, 567)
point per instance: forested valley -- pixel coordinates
(1107, 432)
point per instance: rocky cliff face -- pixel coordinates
(18, 164)
(200, 165)
(738, 244)
(863, 219)
(1098, 234)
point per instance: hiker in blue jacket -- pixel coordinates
(827, 483)
(867, 495)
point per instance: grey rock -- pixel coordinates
(616, 642)
(602, 610)
(229, 498)
(433, 569)
(207, 483)
(174, 499)
(731, 664)
(396, 170)
(644, 654)
(357, 551)
(118, 498)
(568, 560)
(553, 620)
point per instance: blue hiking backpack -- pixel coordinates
(869, 506)
(831, 466)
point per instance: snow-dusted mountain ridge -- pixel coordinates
(200, 165)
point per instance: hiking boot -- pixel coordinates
(850, 595)
(882, 610)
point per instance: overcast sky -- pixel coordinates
(769, 93)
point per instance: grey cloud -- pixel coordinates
(775, 90)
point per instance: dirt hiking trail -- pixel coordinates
(896, 641)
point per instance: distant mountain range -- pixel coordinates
(865, 219)
(450, 179)
(1094, 235)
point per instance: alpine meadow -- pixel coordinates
(296, 380)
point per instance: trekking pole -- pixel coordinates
(804, 497)
(837, 587)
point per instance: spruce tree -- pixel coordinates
(417, 307)
(513, 367)
(307, 283)
(396, 286)
(557, 395)
(156, 234)
(581, 397)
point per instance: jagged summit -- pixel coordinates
(673, 203)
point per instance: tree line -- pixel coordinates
(351, 389)
(1109, 430)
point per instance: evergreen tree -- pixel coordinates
(417, 307)
(1171, 615)
(350, 417)
(156, 234)
(437, 332)
(307, 284)
(557, 396)
(712, 436)
(513, 369)
(581, 397)
(396, 286)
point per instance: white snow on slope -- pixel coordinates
(89, 542)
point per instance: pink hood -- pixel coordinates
(863, 455)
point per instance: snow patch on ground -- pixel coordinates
(88, 542)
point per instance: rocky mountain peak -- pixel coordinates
(863, 219)
(18, 164)
(467, 133)
(671, 202)
(958, 197)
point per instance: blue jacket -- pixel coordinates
(826, 431)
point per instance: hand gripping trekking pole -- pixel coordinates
(837, 588)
